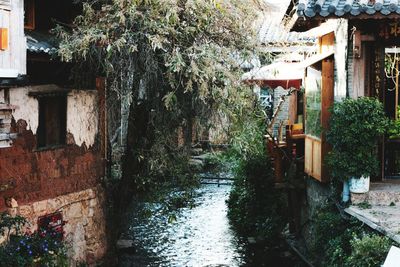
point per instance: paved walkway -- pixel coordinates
(379, 208)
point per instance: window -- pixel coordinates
(29, 16)
(52, 121)
(313, 102)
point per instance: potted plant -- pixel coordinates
(355, 127)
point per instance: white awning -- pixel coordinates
(276, 71)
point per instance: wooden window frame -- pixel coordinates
(59, 114)
(29, 14)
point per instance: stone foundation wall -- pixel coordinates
(317, 195)
(85, 227)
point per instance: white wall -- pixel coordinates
(82, 116)
(27, 107)
(82, 112)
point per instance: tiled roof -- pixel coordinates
(276, 33)
(37, 42)
(341, 8)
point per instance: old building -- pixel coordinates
(358, 56)
(51, 134)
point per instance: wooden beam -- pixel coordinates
(8, 73)
(327, 98)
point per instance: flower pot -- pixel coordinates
(359, 185)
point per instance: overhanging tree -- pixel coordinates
(166, 62)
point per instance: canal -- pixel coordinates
(194, 236)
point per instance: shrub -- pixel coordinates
(369, 250)
(255, 207)
(346, 243)
(355, 126)
(41, 248)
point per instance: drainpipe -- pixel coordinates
(346, 191)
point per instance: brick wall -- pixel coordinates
(28, 175)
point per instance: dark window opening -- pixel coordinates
(44, 15)
(52, 121)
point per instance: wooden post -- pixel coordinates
(396, 100)
(327, 98)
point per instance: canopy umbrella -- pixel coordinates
(286, 75)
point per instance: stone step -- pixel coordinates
(385, 193)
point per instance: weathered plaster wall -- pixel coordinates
(283, 115)
(85, 224)
(340, 55)
(27, 107)
(82, 112)
(82, 116)
(218, 133)
(27, 174)
(62, 179)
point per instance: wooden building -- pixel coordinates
(358, 56)
(364, 43)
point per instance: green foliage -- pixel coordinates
(369, 250)
(188, 46)
(41, 248)
(246, 131)
(355, 126)
(364, 205)
(256, 208)
(10, 224)
(340, 242)
(180, 59)
(394, 126)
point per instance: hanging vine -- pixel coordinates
(168, 63)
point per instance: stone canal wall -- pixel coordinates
(82, 212)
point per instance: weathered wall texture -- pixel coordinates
(283, 115)
(85, 224)
(82, 113)
(218, 133)
(82, 118)
(27, 107)
(29, 175)
(63, 178)
(341, 39)
(317, 196)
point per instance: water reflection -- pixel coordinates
(200, 236)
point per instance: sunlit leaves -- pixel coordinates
(170, 100)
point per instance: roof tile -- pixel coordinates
(340, 8)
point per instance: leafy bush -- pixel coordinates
(394, 126)
(369, 250)
(256, 208)
(355, 126)
(41, 248)
(339, 242)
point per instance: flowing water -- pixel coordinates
(197, 236)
